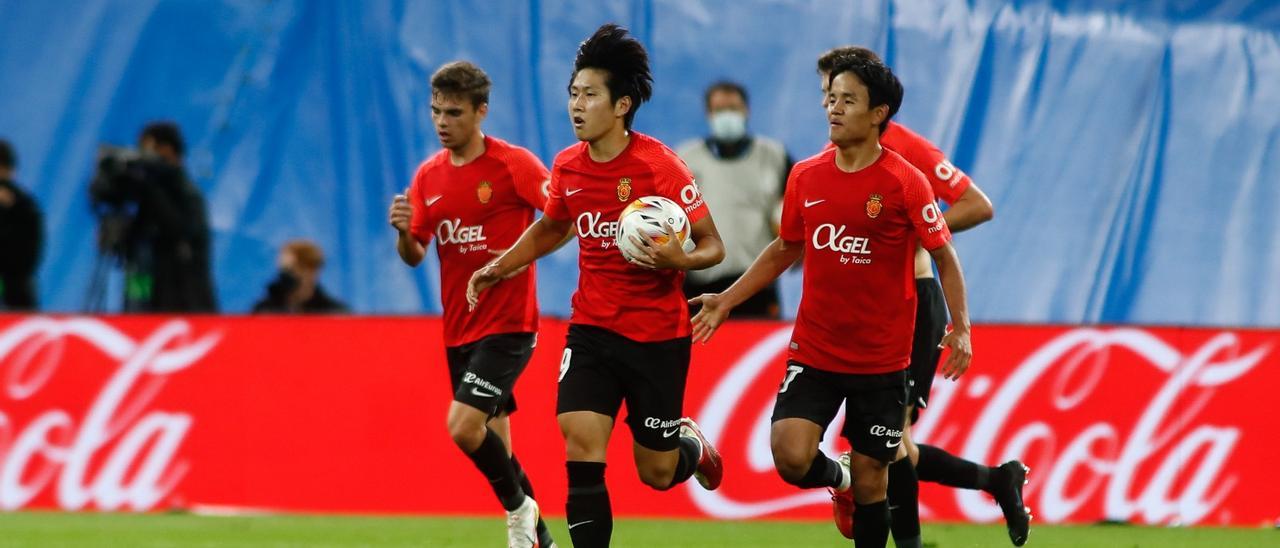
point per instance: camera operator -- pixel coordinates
(21, 236)
(153, 219)
(296, 287)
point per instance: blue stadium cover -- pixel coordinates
(1129, 147)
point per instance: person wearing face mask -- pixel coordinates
(296, 287)
(741, 176)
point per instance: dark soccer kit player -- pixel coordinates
(968, 207)
(629, 336)
(474, 198)
(856, 214)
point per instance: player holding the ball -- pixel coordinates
(629, 336)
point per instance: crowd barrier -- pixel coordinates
(146, 413)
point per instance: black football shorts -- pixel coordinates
(601, 369)
(483, 372)
(931, 325)
(874, 405)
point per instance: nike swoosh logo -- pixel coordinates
(433, 200)
(807, 203)
(571, 193)
(671, 433)
(481, 393)
(572, 525)
(893, 443)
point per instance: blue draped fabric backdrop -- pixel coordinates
(1129, 147)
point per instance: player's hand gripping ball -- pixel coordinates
(650, 216)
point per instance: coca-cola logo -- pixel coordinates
(118, 453)
(1107, 418)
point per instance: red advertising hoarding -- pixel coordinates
(1157, 425)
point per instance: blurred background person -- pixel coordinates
(741, 177)
(153, 222)
(21, 237)
(296, 287)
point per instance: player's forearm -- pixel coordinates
(953, 289)
(541, 238)
(411, 251)
(771, 263)
(972, 209)
(708, 252)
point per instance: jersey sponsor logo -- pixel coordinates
(572, 192)
(484, 191)
(432, 200)
(589, 226)
(669, 433)
(932, 216)
(944, 171)
(472, 378)
(811, 203)
(452, 231)
(691, 196)
(624, 189)
(851, 248)
(875, 205)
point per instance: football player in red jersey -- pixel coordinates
(629, 336)
(856, 214)
(968, 207)
(474, 198)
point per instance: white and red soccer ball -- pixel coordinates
(650, 215)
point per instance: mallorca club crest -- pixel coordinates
(484, 192)
(624, 189)
(874, 205)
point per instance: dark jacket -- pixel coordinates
(170, 245)
(21, 241)
(319, 303)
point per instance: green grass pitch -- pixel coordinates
(39, 529)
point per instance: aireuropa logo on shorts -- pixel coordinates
(655, 422)
(668, 428)
(472, 378)
(878, 430)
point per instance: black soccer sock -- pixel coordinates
(904, 504)
(823, 472)
(871, 524)
(544, 536)
(589, 515)
(492, 460)
(690, 452)
(938, 466)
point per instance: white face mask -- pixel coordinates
(728, 125)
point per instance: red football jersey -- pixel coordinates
(638, 303)
(947, 181)
(473, 212)
(860, 231)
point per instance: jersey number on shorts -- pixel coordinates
(792, 371)
(564, 363)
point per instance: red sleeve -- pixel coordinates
(530, 177)
(420, 222)
(555, 207)
(791, 228)
(946, 180)
(923, 210)
(675, 182)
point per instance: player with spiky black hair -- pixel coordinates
(629, 337)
